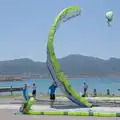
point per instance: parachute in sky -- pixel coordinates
(109, 17)
(52, 63)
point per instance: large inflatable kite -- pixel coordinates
(59, 77)
(52, 63)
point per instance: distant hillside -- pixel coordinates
(22, 66)
(78, 64)
(72, 65)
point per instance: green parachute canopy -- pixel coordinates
(109, 17)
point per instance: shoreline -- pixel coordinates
(10, 80)
(58, 95)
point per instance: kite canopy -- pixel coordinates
(109, 17)
(52, 62)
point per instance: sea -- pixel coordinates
(100, 84)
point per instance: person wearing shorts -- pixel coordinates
(34, 90)
(52, 89)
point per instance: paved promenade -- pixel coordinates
(7, 114)
(9, 110)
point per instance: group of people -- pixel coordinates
(25, 91)
(51, 92)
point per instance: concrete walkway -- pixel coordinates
(8, 110)
(6, 114)
(58, 108)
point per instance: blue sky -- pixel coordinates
(25, 24)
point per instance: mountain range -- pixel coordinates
(72, 65)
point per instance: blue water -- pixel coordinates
(100, 84)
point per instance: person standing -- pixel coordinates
(85, 89)
(51, 92)
(34, 90)
(25, 91)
